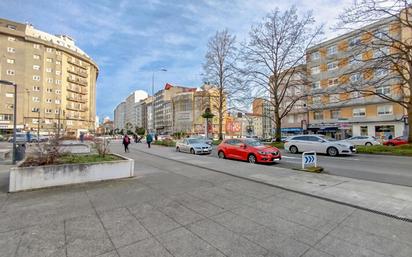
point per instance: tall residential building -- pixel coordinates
(263, 109)
(120, 116)
(133, 114)
(56, 81)
(183, 112)
(333, 66)
(148, 114)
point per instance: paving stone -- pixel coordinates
(9, 242)
(180, 214)
(339, 248)
(109, 254)
(200, 206)
(182, 243)
(142, 210)
(235, 222)
(277, 243)
(158, 223)
(255, 190)
(381, 244)
(122, 227)
(316, 253)
(85, 236)
(226, 241)
(146, 248)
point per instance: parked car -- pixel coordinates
(193, 146)
(204, 139)
(247, 149)
(319, 144)
(282, 139)
(396, 141)
(362, 140)
(20, 138)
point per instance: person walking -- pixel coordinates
(126, 142)
(81, 137)
(149, 140)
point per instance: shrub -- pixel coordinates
(404, 150)
(166, 142)
(279, 145)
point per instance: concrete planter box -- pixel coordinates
(26, 178)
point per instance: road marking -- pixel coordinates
(290, 157)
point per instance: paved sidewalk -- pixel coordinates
(387, 198)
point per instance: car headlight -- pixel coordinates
(275, 153)
(343, 145)
(262, 153)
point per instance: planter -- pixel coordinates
(26, 178)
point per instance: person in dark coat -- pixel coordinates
(126, 142)
(149, 140)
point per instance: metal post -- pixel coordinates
(153, 104)
(14, 123)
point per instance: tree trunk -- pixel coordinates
(278, 128)
(410, 124)
(220, 126)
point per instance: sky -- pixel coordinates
(131, 39)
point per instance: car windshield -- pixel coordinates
(194, 141)
(327, 138)
(252, 142)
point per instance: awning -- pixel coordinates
(291, 129)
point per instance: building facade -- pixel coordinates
(56, 81)
(120, 116)
(263, 109)
(133, 110)
(333, 67)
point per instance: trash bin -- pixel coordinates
(20, 152)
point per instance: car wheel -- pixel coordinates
(221, 155)
(177, 149)
(368, 144)
(332, 151)
(192, 151)
(293, 149)
(251, 158)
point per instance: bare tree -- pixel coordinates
(272, 57)
(220, 70)
(383, 54)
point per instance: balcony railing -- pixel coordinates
(76, 62)
(77, 81)
(77, 108)
(78, 71)
(76, 99)
(77, 89)
(75, 117)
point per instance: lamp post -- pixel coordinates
(153, 104)
(9, 83)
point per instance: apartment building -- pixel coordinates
(183, 114)
(133, 110)
(56, 81)
(333, 66)
(252, 125)
(120, 116)
(263, 109)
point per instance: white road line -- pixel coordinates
(290, 157)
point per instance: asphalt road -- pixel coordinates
(380, 168)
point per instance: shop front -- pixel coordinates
(380, 130)
(291, 131)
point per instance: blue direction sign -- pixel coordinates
(309, 158)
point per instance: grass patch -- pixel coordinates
(279, 145)
(216, 142)
(166, 142)
(402, 150)
(88, 158)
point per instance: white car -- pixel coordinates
(193, 146)
(363, 140)
(319, 144)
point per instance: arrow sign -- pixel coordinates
(308, 158)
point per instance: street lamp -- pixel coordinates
(153, 103)
(9, 83)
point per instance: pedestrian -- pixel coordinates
(126, 142)
(28, 137)
(155, 137)
(81, 137)
(149, 140)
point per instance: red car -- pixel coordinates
(396, 141)
(249, 150)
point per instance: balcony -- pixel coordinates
(76, 99)
(77, 89)
(77, 81)
(76, 62)
(77, 108)
(77, 71)
(75, 117)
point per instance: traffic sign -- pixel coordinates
(309, 158)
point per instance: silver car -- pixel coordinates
(319, 144)
(362, 140)
(193, 146)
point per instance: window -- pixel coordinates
(333, 82)
(291, 118)
(58, 82)
(355, 77)
(35, 121)
(36, 99)
(36, 57)
(316, 85)
(49, 60)
(10, 72)
(35, 109)
(332, 50)
(49, 80)
(9, 95)
(385, 110)
(364, 130)
(317, 100)
(335, 114)
(69, 122)
(11, 39)
(58, 91)
(354, 41)
(36, 77)
(355, 94)
(12, 27)
(332, 65)
(11, 49)
(49, 50)
(382, 33)
(36, 46)
(48, 100)
(10, 61)
(315, 70)
(384, 51)
(36, 67)
(58, 53)
(354, 60)
(384, 90)
(381, 72)
(334, 98)
(58, 72)
(57, 101)
(36, 88)
(48, 110)
(58, 62)
(318, 115)
(48, 70)
(315, 56)
(6, 117)
(56, 111)
(49, 90)
(358, 112)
